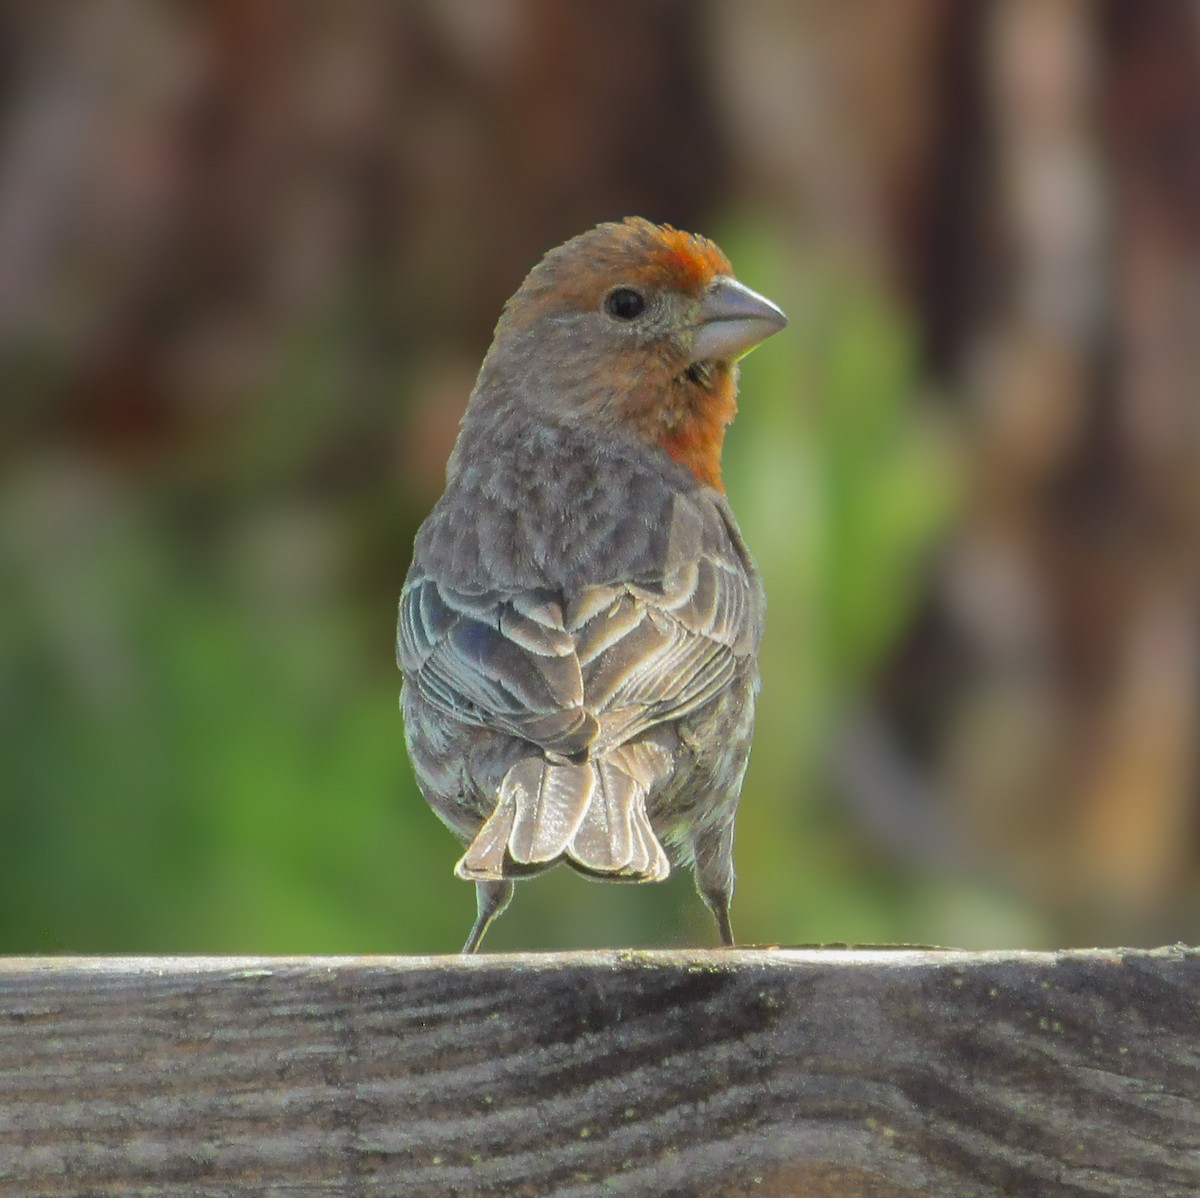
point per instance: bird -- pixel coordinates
(578, 631)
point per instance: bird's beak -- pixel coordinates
(732, 320)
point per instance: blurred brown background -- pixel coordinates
(250, 257)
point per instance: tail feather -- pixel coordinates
(551, 802)
(604, 842)
(484, 859)
(649, 863)
(592, 814)
(615, 836)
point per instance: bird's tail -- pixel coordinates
(593, 815)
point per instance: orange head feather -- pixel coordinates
(641, 380)
(579, 272)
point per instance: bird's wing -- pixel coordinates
(593, 667)
(650, 653)
(497, 660)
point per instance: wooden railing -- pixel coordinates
(876, 1073)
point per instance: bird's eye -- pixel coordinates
(624, 303)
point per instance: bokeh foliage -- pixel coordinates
(200, 718)
(250, 257)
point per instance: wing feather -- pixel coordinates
(587, 671)
(485, 661)
(684, 646)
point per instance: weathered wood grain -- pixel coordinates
(872, 1073)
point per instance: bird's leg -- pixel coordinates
(491, 898)
(714, 876)
(723, 925)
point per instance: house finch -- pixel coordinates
(579, 628)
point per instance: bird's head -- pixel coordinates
(635, 328)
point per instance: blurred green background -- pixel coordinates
(250, 257)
